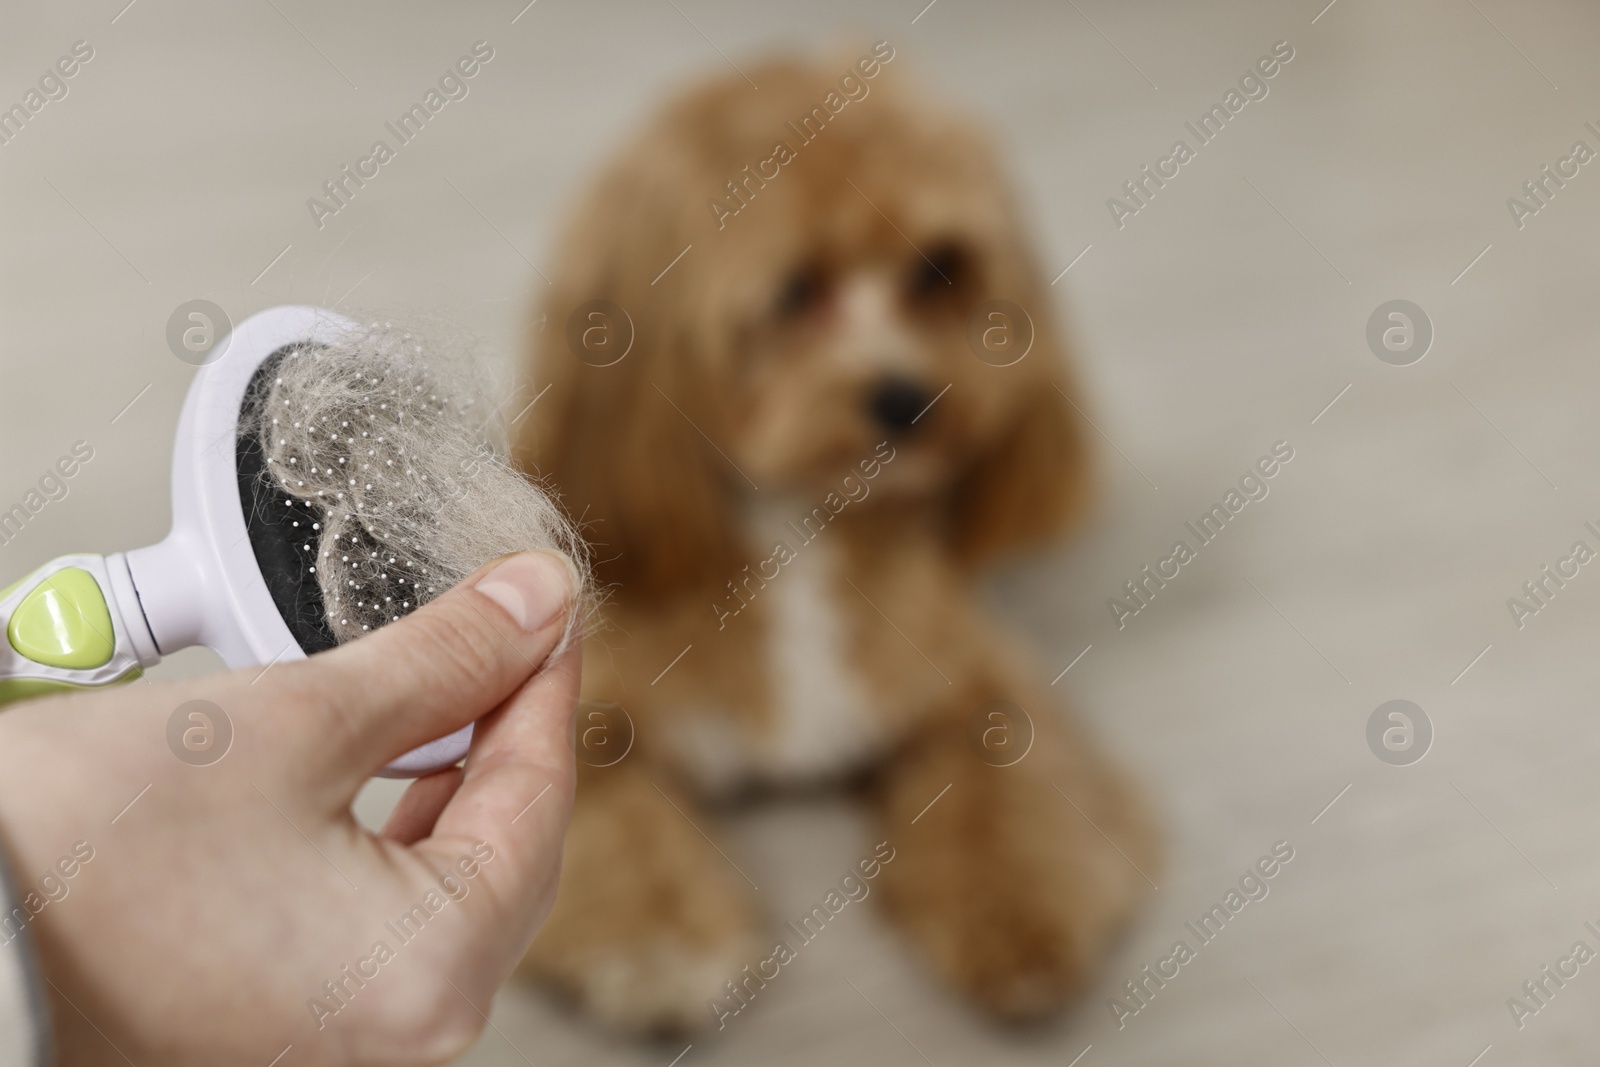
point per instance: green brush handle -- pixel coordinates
(68, 626)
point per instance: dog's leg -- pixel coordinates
(1015, 880)
(650, 922)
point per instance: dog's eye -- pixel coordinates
(802, 292)
(940, 273)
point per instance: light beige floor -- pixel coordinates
(1223, 318)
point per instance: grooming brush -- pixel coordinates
(327, 479)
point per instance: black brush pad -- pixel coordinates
(284, 531)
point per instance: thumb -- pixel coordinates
(439, 668)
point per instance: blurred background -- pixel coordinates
(1229, 313)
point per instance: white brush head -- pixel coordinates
(437, 495)
(384, 439)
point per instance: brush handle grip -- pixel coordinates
(74, 623)
(78, 622)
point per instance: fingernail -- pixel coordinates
(533, 587)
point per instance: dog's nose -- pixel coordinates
(896, 403)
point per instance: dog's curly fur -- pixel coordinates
(751, 410)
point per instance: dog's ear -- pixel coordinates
(1035, 479)
(629, 466)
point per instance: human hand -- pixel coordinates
(221, 904)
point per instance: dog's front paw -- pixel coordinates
(1007, 888)
(659, 985)
(1008, 947)
(651, 922)
(1012, 951)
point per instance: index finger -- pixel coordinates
(516, 795)
(439, 668)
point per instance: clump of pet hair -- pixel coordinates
(388, 439)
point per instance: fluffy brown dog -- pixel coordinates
(768, 408)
